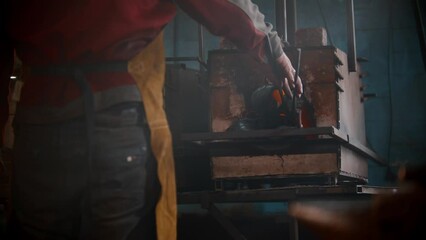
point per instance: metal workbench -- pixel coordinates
(209, 199)
(288, 140)
(268, 142)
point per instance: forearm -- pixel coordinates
(244, 25)
(240, 21)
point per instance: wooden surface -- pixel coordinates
(275, 165)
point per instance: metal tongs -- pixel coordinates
(297, 102)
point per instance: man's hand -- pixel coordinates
(288, 75)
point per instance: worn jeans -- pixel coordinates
(57, 194)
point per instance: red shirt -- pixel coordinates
(45, 32)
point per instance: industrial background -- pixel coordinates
(364, 67)
(387, 36)
(390, 50)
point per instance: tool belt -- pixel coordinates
(77, 72)
(70, 69)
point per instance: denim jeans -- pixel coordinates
(57, 194)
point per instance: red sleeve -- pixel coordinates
(6, 69)
(240, 21)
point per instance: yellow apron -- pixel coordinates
(148, 69)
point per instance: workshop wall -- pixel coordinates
(386, 35)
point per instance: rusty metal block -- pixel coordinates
(324, 98)
(343, 162)
(275, 165)
(333, 92)
(311, 37)
(233, 78)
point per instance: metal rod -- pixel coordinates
(420, 27)
(175, 36)
(294, 229)
(351, 36)
(297, 112)
(291, 21)
(281, 19)
(200, 43)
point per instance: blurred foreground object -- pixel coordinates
(389, 216)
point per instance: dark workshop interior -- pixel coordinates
(348, 163)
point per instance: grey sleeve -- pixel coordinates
(258, 19)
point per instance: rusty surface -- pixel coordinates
(333, 92)
(275, 165)
(324, 99)
(233, 78)
(311, 37)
